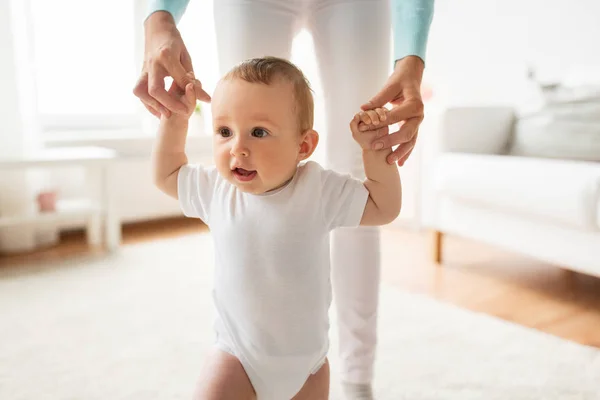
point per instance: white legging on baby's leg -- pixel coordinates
(352, 42)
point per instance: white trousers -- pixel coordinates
(352, 45)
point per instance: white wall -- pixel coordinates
(479, 50)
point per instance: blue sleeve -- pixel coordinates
(411, 20)
(174, 7)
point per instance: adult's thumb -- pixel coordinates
(189, 93)
(385, 95)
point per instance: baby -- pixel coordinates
(270, 213)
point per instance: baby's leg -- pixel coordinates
(224, 378)
(316, 386)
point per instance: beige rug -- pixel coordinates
(136, 325)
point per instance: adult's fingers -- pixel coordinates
(181, 76)
(403, 159)
(141, 91)
(152, 111)
(186, 61)
(178, 72)
(388, 93)
(410, 108)
(406, 133)
(402, 152)
(156, 89)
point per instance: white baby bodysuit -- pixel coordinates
(272, 279)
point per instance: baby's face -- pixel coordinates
(256, 138)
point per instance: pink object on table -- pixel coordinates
(47, 201)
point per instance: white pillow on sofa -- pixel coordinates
(567, 126)
(545, 136)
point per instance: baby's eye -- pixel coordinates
(225, 132)
(259, 133)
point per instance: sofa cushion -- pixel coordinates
(565, 192)
(545, 136)
(462, 127)
(567, 125)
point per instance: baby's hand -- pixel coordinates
(372, 118)
(187, 96)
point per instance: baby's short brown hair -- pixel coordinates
(266, 69)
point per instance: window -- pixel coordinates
(87, 57)
(84, 54)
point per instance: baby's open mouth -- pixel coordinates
(243, 175)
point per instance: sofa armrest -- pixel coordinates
(482, 130)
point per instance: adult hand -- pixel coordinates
(403, 91)
(165, 55)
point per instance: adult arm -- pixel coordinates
(411, 21)
(165, 54)
(174, 7)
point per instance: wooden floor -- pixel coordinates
(474, 276)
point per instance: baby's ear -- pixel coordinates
(308, 144)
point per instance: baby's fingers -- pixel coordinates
(374, 116)
(354, 124)
(382, 113)
(369, 117)
(364, 117)
(189, 97)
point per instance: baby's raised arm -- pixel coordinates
(168, 153)
(382, 179)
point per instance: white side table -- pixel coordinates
(103, 223)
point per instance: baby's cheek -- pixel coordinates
(281, 158)
(221, 154)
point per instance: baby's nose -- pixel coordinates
(239, 148)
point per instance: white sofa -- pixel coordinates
(545, 208)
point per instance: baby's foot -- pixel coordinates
(357, 391)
